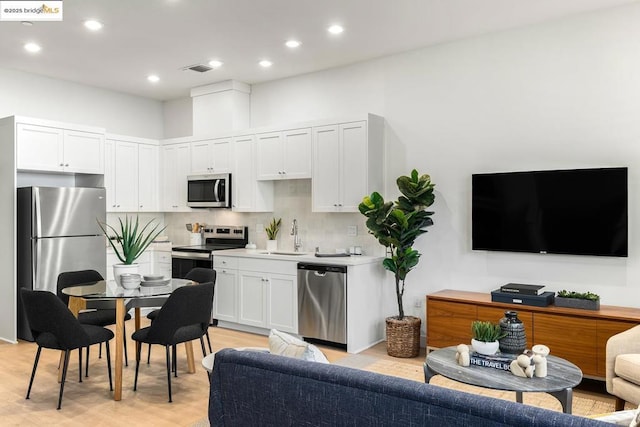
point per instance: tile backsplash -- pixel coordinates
(292, 199)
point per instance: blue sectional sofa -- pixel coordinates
(261, 389)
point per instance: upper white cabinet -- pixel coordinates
(347, 164)
(249, 195)
(284, 155)
(148, 178)
(131, 174)
(211, 156)
(176, 166)
(59, 148)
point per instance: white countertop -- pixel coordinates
(305, 257)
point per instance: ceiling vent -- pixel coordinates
(198, 68)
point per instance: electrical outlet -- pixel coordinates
(417, 303)
(352, 230)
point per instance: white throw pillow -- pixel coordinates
(286, 345)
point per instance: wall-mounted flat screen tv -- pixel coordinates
(579, 211)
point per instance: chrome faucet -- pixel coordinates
(297, 243)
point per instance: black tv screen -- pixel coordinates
(580, 211)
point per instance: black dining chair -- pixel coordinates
(183, 317)
(198, 275)
(100, 313)
(54, 326)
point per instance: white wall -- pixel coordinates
(559, 95)
(45, 98)
(178, 117)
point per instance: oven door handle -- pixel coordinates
(190, 255)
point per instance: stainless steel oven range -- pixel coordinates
(215, 238)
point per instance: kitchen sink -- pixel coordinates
(283, 253)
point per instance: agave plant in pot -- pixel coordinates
(129, 242)
(396, 225)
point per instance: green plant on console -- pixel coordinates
(397, 224)
(486, 331)
(273, 228)
(578, 295)
(132, 239)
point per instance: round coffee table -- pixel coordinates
(562, 376)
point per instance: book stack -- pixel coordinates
(522, 289)
(499, 361)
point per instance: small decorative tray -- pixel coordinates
(159, 282)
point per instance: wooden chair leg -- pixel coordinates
(33, 371)
(619, 404)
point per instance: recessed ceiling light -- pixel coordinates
(153, 78)
(32, 47)
(93, 25)
(292, 43)
(265, 63)
(335, 29)
(215, 63)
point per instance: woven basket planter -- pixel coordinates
(403, 336)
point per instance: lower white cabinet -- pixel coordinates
(155, 260)
(257, 293)
(268, 300)
(225, 298)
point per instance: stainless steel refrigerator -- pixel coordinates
(57, 230)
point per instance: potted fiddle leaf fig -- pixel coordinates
(396, 225)
(129, 242)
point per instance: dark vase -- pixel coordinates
(516, 340)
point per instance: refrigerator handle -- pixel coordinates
(35, 253)
(36, 224)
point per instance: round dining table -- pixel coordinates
(125, 299)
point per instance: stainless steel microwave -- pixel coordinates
(209, 191)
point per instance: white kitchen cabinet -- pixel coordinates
(268, 294)
(347, 164)
(225, 297)
(176, 164)
(253, 298)
(211, 156)
(249, 194)
(56, 149)
(268, 300)
(125, 179)
(162, 259)
(148, 174)
(284, 155)
(131, 175)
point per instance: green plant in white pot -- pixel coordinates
(272, 234)
(396, 225)
(129, 242)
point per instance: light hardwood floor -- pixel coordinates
(91, 402)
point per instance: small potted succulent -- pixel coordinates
(485, 337)
(272, 234)
(572, 299)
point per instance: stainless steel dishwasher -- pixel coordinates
(322, 302)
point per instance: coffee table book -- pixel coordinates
(521, 288)
(499, 361)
